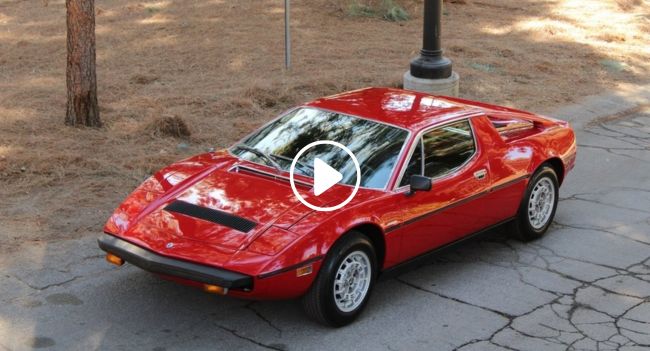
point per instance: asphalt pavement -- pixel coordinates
(584, 286)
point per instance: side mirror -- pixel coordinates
(419, 183)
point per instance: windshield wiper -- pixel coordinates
(261, 154)
(303, 166)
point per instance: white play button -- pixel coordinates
(324, 176)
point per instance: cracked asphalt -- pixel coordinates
(584, 286)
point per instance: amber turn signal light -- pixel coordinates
(306, 270)
(114, 259)
(215, 289)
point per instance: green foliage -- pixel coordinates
(485, 67)
(394, 12)
(613, 65)
(386, 9)
(152, 8)
(360, 9)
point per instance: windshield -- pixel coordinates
(375, 145)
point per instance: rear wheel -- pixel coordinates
(342, 287)
(538, 206)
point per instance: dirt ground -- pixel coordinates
(218, 65)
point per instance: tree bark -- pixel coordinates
(81, 77)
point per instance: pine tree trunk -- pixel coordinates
(80, 74)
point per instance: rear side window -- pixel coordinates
(447, 148)
(509, 127)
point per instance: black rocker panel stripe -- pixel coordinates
(215, 216)
(457, 203)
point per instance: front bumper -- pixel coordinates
(155, 263)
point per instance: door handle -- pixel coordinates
(480, 174)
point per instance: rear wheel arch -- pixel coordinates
(557, 166)
(535, 201)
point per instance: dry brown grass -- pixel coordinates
(219, 65)
(168, 126)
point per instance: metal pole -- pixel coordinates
(431, 28)
(431, 64)
(287, 34)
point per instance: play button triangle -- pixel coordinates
(324, 176)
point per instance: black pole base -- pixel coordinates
(431, 67)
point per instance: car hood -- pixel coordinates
(225, 207)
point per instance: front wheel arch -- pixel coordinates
(376, 236)
(320, 301)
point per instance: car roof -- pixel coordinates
(403, 108)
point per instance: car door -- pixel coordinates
(459, 168)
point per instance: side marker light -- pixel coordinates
(306, 270)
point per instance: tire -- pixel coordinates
(354, 250)
(543, 184)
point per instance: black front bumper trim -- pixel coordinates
(155, 263)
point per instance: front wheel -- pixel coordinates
(342, 287)
(538, 206)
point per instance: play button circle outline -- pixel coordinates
(293, 166)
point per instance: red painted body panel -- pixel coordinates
(288, 233)
(448, 216)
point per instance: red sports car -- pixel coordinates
(430, 171)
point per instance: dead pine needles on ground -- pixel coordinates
(178, 78)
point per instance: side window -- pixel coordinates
(414, 166)
(447, 148)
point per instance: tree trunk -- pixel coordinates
(80, 74)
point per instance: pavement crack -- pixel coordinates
(578, 197)
(250, 307)
(599, 229)
(235, 333)
(523, 280)
(617, 152)
(609, 149)
(41, 288)
(503, 314)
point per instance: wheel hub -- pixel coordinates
(352, 281)
(540, 203)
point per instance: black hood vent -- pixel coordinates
(215, 216)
